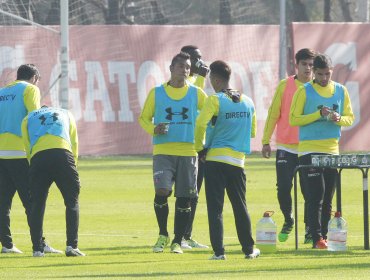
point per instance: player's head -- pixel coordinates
(195, 55)
(193, 51)
(304, 62)
(323, 69)
(322, 61)
(28, 72)
(219, 75)
(180, 65)
(304, 54)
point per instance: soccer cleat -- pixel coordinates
(194, 244)
(176, 248)
(255, 254)
(185, 245)
(74, 252)
(286, 230)
(13, 250)
(283, 237)
(38, 254)
(320, 244)
(49, 249)
(308, 238)
(218, 258)
(161, 243)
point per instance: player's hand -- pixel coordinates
(161, 128)
(201, 68)
(325, 111)
(202, 155)
(335, 116)
(266, 150)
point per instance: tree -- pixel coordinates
(327, 8)
(225, 12)
(344, 4)
(113, 15)
(299, 11)
(159, 18)
(23, 7)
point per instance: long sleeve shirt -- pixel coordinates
(211, 108)
(11, 145)
(147, 114)
(298, 118)
(274, 113)
(49, 141)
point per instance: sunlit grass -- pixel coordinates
(118, 229)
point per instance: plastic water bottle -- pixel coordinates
(266, 233)
(337, 233)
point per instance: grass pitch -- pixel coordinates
(118, 229)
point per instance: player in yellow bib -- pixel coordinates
(286, 138)
(320, 108)
(169, 115)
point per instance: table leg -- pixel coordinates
(295, 210)
(366, 209)
(339, 191)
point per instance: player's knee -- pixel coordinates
(183, 202)
(163, 192)
(160, 201)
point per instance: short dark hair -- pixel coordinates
(221, 69)
(303, 54)
(189, 48)
(27, 71)
(180, 56)
(322, 61)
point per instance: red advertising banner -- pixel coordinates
(112, 69)
(348, 46)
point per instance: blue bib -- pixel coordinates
(234, 124)
(322, 128)
(180, 114)
(53, 121)
(12, 108)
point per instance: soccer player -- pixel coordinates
(320, 108)
(16, 100)
(224, 167)
(173, 107)
(198, 69)
(286, 138)
(51, 142)
(197, 76)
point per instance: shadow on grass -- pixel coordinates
(231, 273)
(112, 167)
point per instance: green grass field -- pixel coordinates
(118, 229)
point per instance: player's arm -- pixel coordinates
(209, 110)
(73, 136)
(296, 116)
(200, 82)
(146, 116)
(202, 97)
(254, 125)
(25, 137)
(273, 113)
(347, 118)
(32, 98)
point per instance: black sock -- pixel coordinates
(161, 212)
(182, 215)
(189, 226)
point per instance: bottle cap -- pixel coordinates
(268, 214)
(337, 215)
